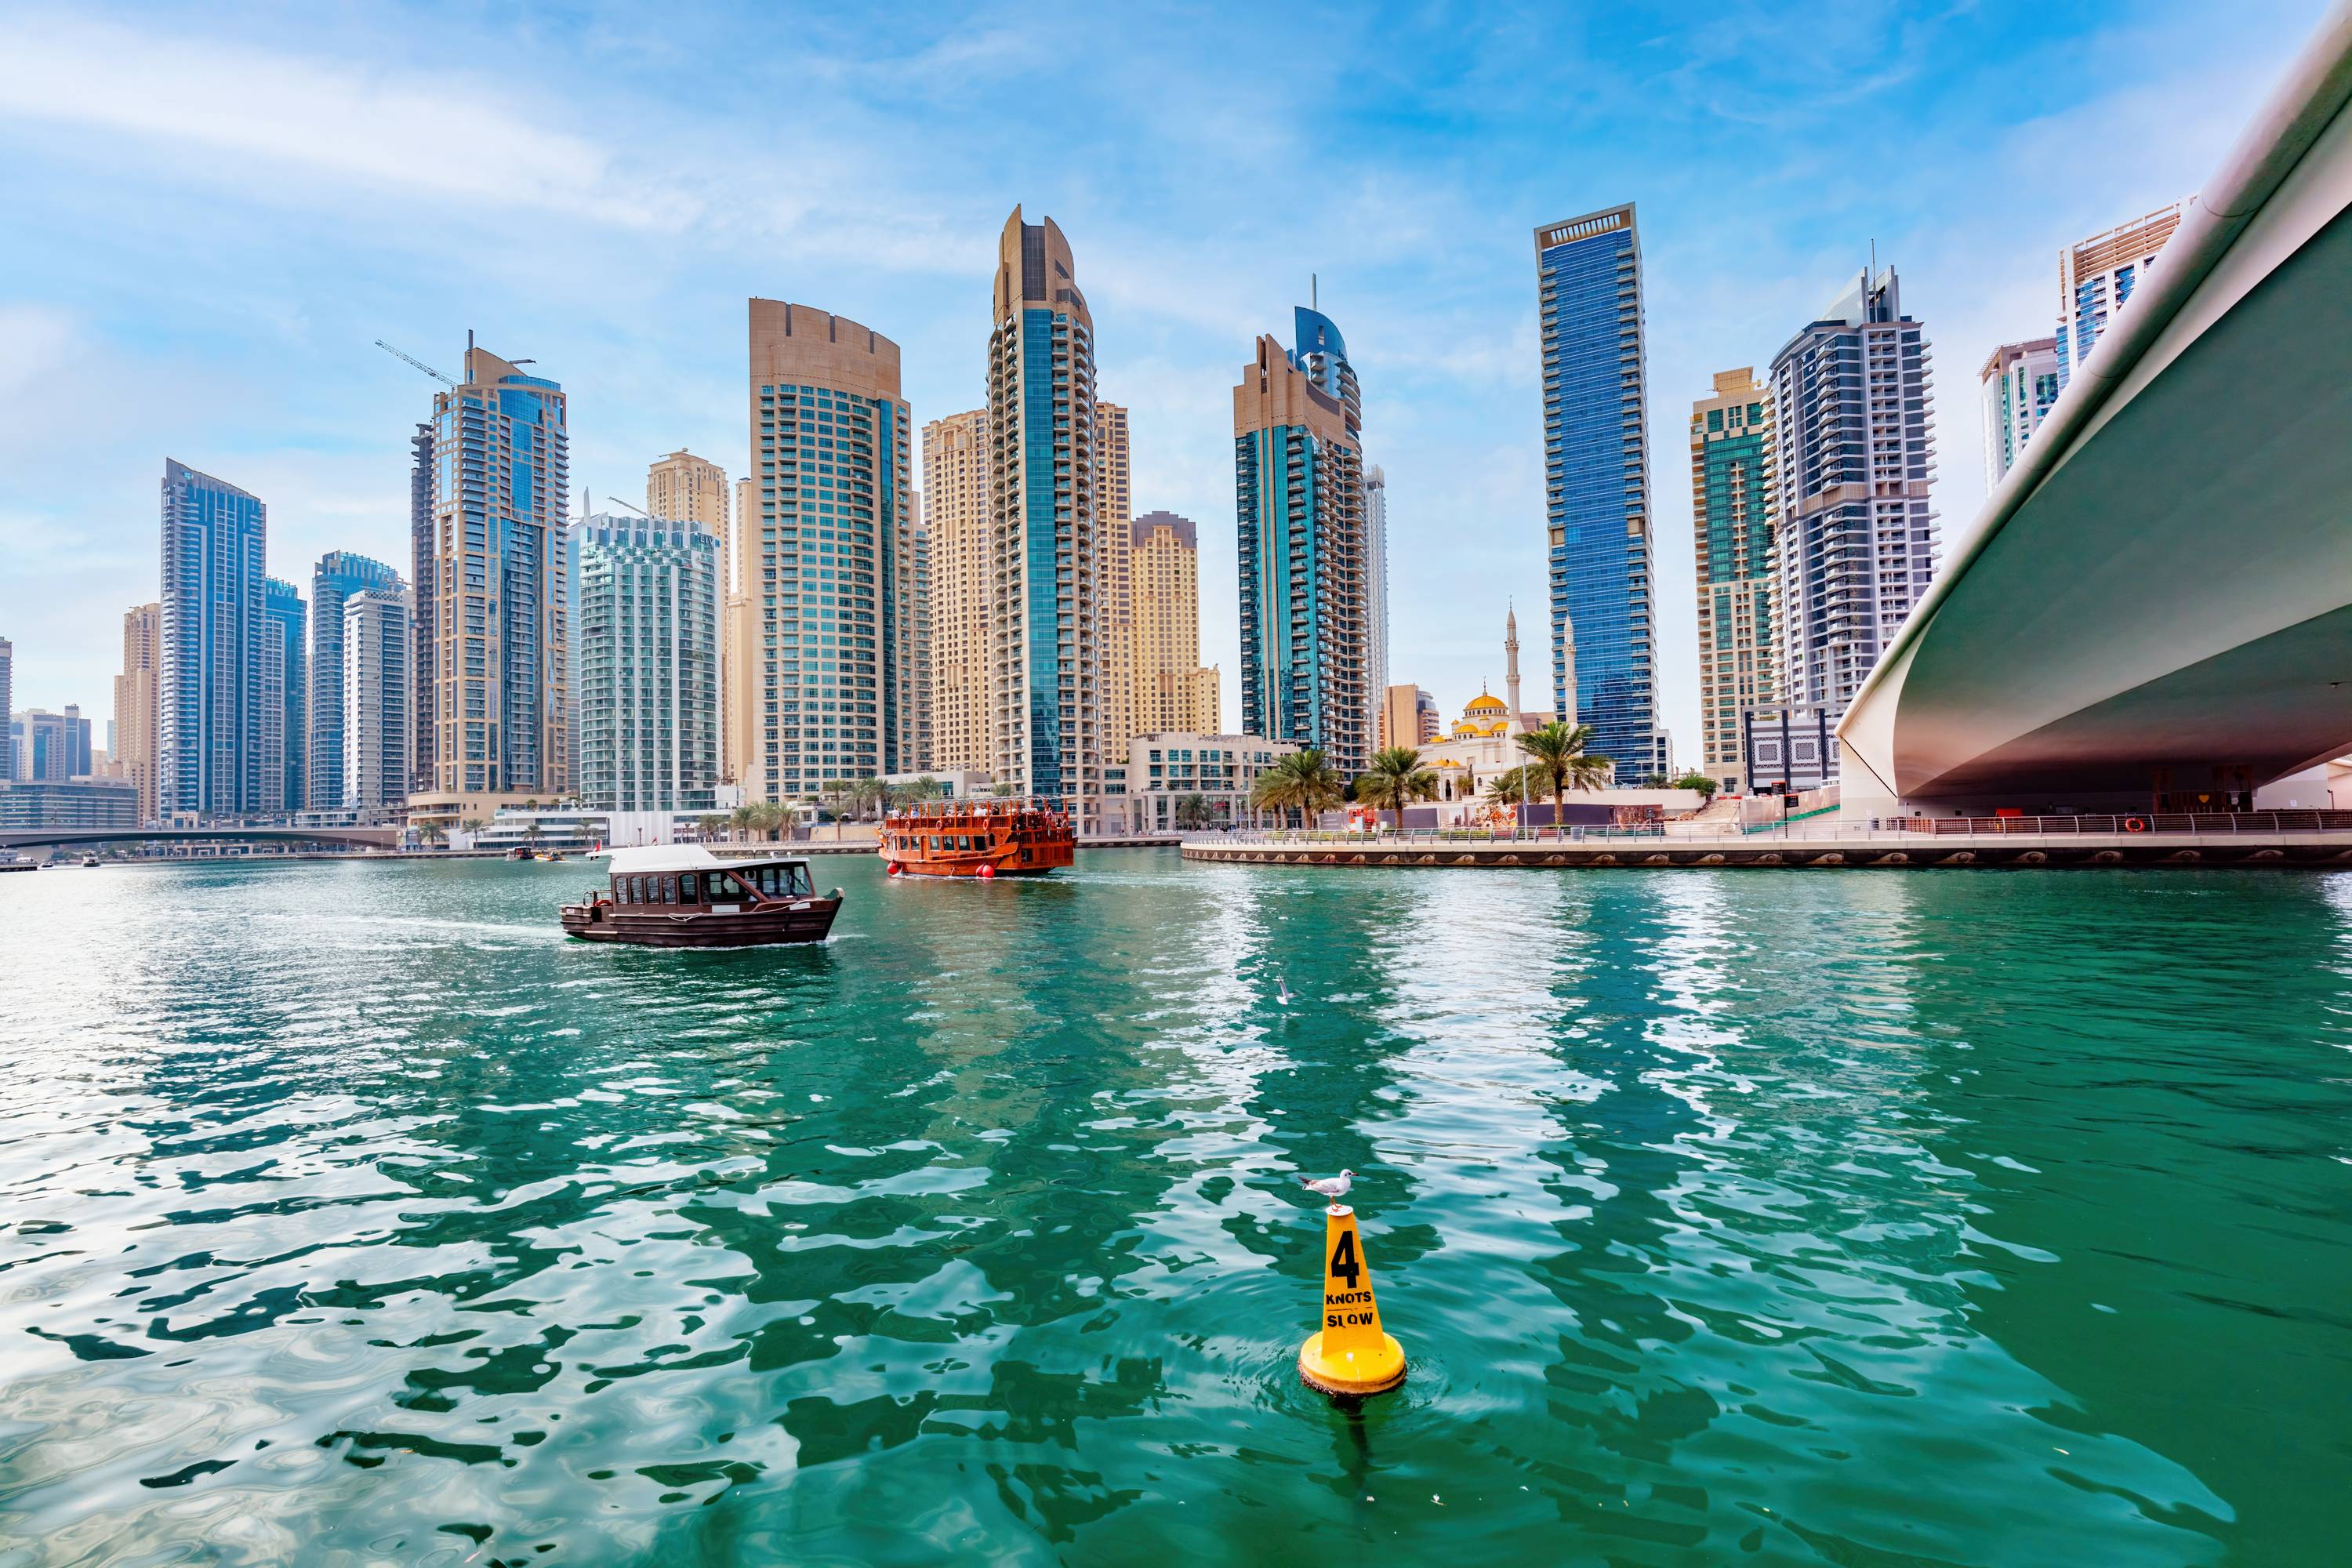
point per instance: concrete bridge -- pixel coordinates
(340, 838)
(2157, 600)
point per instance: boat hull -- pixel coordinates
(800, 921)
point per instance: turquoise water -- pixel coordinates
(349, 1214)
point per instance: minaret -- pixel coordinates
(1567, 666)
(1511, 666)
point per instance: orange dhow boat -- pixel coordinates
(996, 837)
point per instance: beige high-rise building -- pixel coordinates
(1117, 691)
(134, 702)
(956, 513)
(1408, 717)
(1172, 692)
(683, 488)
(828, 642)
(1732, 519)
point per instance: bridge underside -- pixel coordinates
(2171, 607)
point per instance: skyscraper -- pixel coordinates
(956, 473)
(684, 487)
(134, 702)
(1597, 482)
(1731, 525)
(51, 748)
(735, 720)
(8, 695)
(1376, 591)
(2019, 382)
(209, 706)
(826, 563)
(424, 618)
(1165, 654)
(1047, 548)
(339, 574)
(1299, 504)
(2096, 277)
(285, 729)
(496, 667)
(645, 643)
(1855, 539)
(374, 731)
(1117, 688)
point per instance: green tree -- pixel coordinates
(1002, 789)
(1509, 787)
(1394, 781)
(1301, 782)
(1556, 760)
(1702, 783)
(710, 825)
(433, 833)
(1191, 813)
(740, 820)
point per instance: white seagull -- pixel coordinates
(1329, 1186)
(1282, 990)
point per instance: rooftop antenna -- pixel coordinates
(1314, 293)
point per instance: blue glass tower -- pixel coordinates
(339, 574)
(1305, 550)
(1597, 484)
(284, 734)
(208, 699)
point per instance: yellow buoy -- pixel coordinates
(1350, 1353)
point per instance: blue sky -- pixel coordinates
(214, 212)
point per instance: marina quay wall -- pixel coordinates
(1849, 849)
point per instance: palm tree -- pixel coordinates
(433, 833)
(1558, 760)
(710, 825)
(739, 819)
(1508, 788)
(766, 817)
(472, 826)
(1191, 813)
(1302, 781)
(1396, 780)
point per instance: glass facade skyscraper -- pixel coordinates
(1597, 483)
(837, 679)
(496, 672)
(285, 733)
(372, 656)
(2098, 277)
(1731, 521)
(216, 636)
(1853, 461)
(644, 649)
(339, 574)
(1305, 550)
(1050, 613)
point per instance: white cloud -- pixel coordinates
(194, 102)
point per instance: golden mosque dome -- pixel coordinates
(1484, 702)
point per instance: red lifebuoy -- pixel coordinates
(2135, 824)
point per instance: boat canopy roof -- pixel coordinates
(660, 857)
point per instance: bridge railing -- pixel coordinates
(2135, 822)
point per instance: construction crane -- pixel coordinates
(641, 511)
(412, 358)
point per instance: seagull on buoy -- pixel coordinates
(1329, 1186)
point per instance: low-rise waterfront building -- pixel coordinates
(84, 803)
(1175, 782)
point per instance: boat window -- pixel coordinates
(689, 889)
(628, 886)
(800, 881)
(768, 881)
(669, 890)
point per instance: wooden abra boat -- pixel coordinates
(681, 895)
(996, 837)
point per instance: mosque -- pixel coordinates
(1484, 743)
